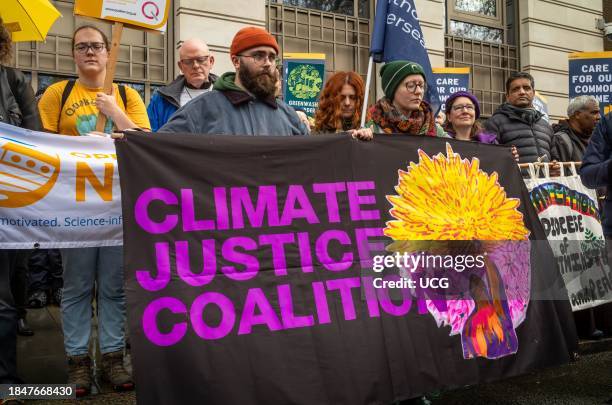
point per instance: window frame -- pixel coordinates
(492, 62)
(285, 22)
(477, 18)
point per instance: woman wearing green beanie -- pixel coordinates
(402, 109)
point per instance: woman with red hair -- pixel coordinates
(340, 106)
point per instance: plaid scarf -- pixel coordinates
(391, 120)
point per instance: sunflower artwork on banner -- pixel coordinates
(446, 205)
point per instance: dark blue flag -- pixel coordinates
(397, 36)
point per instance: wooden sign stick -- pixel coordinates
(110, 70)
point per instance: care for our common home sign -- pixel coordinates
(590, 74)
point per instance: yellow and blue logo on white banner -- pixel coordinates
(58, 191)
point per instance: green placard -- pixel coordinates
(302, 83)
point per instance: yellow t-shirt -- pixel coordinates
(79, 115)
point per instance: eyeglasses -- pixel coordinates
(84, 47)
(261, 57)
(200, 60)
(412, 86)
(469, 107)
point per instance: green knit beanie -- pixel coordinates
(393, 73)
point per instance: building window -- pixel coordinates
(346, 7)
(143, 56)
(482, 7)
(336, 28)
(474, 31)
(139, 87)
(480, 35)
(45, 80)
(481, 20)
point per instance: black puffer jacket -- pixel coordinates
(17, 103)
(524, 128)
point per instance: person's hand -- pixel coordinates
(363, 134)
(98, 133)
(114, 135)
(106, 104)
(515, 153)
(304, 118)
(554, 168)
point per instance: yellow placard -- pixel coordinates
(455, 70)
(590, 55)
(147, 14)
(541, 96)
(293, 55)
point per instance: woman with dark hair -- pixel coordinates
(99, 267)
(17, 107)
(340, 106)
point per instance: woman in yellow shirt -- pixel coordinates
(78, 115)
(73, 110)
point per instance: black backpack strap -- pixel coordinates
(65, 95)
(123, 95)
(68, 89)
(66, 92)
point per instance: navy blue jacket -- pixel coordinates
(166, 100)
(596, 170)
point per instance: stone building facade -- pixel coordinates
(492, 37)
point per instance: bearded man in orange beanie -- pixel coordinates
(242, 102)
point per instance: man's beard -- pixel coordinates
(262, 85)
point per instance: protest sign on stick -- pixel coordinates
(540, 103)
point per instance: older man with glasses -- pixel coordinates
(196, 62)
(242, 102)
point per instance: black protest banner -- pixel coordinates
(254, 269)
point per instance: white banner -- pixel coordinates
(58, 191)
(569, 214)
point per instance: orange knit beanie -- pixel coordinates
(251, 37)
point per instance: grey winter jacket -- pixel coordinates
(231, 111)
(524, 128)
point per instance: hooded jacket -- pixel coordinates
(166, 100)
(596, 169)
(229, 110)
(524, 128)
(568, 146)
